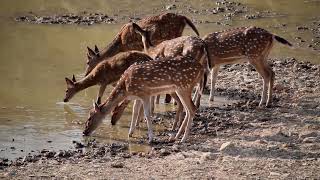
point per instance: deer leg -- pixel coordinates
(140, 118)
(186, 118)
(270, 88)
(101, 91)
(214, 74)
(263, 70)
(157, 99)
(190, 109)
(167, 98)
(200, 89)
(179, 113)
(147, 114)
(118, 111)
(135, 116)
(152, 99)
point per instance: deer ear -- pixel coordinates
(148, 37)
(96, 106)
(137, 28)
(74, 79)
(96, 50)
(91, 53)
(70, 84)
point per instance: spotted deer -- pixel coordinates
(244, 44)
(106, 72)
(183, 46)
(139, 82)
(161, 27)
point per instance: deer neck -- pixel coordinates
(112, 49)
(117, 95)
(90, 80)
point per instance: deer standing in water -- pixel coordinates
(161, 27)
(139, 82)
(245, 44)
(182, 46)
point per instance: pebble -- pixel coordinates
(117, 165)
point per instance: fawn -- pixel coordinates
(140, 82)
(243, 44)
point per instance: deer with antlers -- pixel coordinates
(170, 75)
(245, 44)
(181, 46)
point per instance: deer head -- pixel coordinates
(93, 59)
(145, 35)
(94, 120)
(71, 88)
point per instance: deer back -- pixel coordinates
(236, 43)
(161, 76)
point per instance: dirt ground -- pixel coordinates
(235, 141)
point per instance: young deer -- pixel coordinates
(161, 27)
(179, 75)
(106, 72)
(243, 44)
(182, 46)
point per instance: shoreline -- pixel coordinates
(236, 140)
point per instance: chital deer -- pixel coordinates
(243, 44)
(161, 27)
(106, 72)
(179, 75)
(182, 46)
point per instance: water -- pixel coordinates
(36, 58)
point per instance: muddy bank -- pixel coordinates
(225, 9)
(238, 140)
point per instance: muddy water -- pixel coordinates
(36, 58)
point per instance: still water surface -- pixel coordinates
(34, 60)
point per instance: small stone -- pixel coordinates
(225, 146)
(274, 174)
(208, 156)
(310, 140)
(172, 6)
(117, 165)
(306, 134)
(164, 152)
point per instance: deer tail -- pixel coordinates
(282, 40)
(193, 27)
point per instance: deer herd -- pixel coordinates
(151, 57)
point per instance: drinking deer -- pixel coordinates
(184, 46)
(243, 44)
(106, 72)
(161, 27)
(140, 82)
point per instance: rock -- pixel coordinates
(78, 145)
(208, 156)
(310, 140)
(117, 165)
(50, 154)
(170, 7)
(306, 134)
(226, 146)
(164, 152)
(274, 174)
